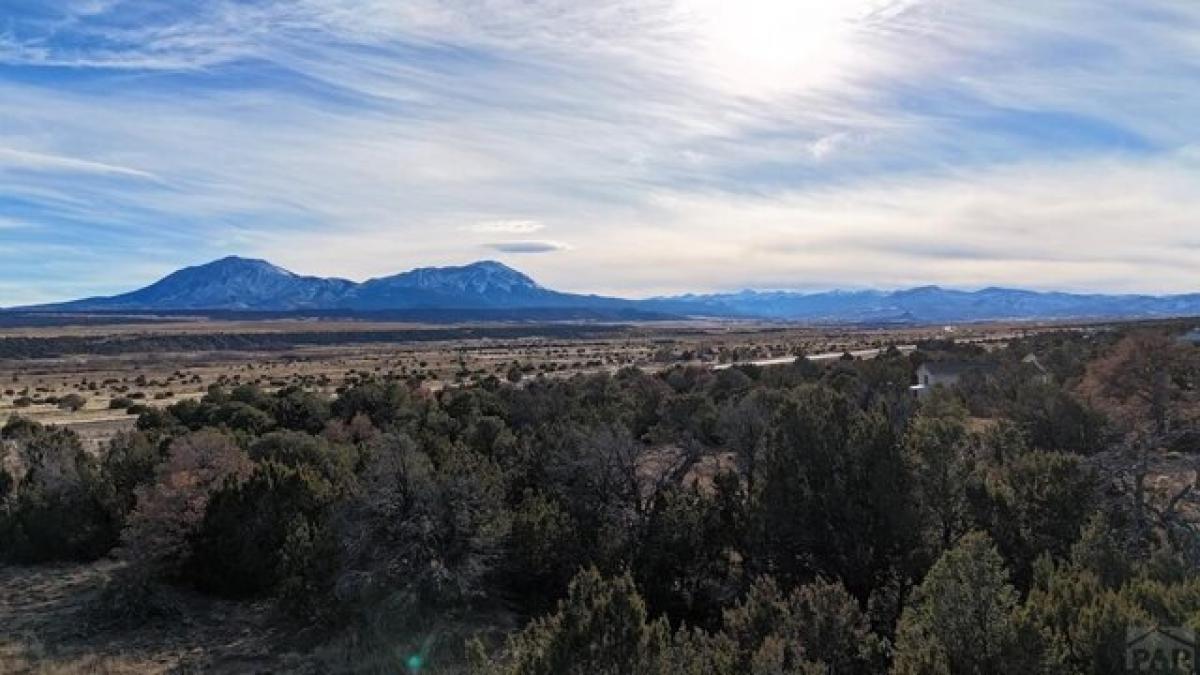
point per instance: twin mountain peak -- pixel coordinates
(248, 284)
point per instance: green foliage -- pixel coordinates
(335, 464)
(543, 550)
(601, 628)
(68, 522)
(169, 510)
(942, 467)
(250, 395)
(299, 410)
(1053, 419)
(253, 527)
(269, 533)
(61, 508)
(963, 617)
(514, 374)
(129, 464)
(743, 425)
(237, 416)
(687, 564)
(831, 478)
(1038, 503)
(72, 402)
(685, 416)
(1081, 623)
(418, 536)
(160, 423)
(19, 428)
(1100, 551)
(818, 627)
(1082, 618)
(120, 403)
(592, 473)
(382, 403)
(791, 519)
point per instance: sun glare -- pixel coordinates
(772, 46)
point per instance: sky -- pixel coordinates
(630, 147)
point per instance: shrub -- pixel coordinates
(301, 411)
(250, 395)
(155, 419)
(243, 417)
(818, 628)
(128, 465)
(601, 627)
(170, 510)
(381, 403)
(962, 618)
(20, 428)
(120, 403)
(59, 509)
(543, 550)
(417, 537)
(333, 463)
(72, 402)
(239, 548)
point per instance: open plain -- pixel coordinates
(154, 362)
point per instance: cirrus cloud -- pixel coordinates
(13, 159)
(676, 144)
(506, 227)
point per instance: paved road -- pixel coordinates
(826, 356)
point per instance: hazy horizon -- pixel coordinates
(622, 148)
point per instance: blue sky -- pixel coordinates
(636, 147)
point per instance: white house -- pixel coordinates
(948, 373)
(945, 374)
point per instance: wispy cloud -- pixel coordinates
(528, 246)
(11, 158)
(13, 224)
(676, 144)
(506, 227)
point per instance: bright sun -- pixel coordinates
(761, 47)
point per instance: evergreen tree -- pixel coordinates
(962, 619)
(600, 628)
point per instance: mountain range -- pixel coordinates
(247, 284)
(244, 284)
